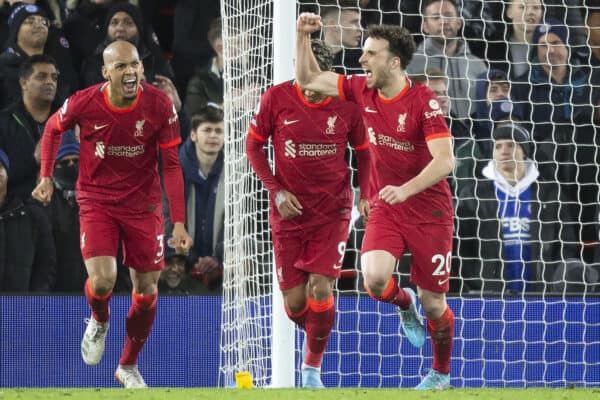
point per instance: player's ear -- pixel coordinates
(104, 72)
(22, 83)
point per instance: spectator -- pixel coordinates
(64, 215)
(558, 99)
(568, 13)
(512, 53)
(124, 22)
(206, 85)
(492, 104)
(22, 123)
(175, 278)
(467, 151)
(202, 161)
(28, 258)
(28, 36)
(53, 9)
(191, 45)
(84, 26)
(444, 49)
(437, 81)
(342, 33)
(513, 227)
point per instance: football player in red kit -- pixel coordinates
(311, 199)
(411, 153)
(124, 125)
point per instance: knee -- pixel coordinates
(295, 305)
(321, 289)
(375, 284)
(295, 299)
(147, 289)
(321, 292)
(102, 285)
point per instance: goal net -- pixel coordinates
(524, 281)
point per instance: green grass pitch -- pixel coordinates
(303, 394)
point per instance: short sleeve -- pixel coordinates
(433, 119)
(169, 134)
(68, 112)
(261, 126)
(350, 88)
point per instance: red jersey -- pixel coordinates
(398, 130)
(310, 141)
(118, 147)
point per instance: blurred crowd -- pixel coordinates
(518, 82)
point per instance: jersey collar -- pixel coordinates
(409, 84)
(104, 90)
(307, 103)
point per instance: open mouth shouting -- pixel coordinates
(130, 85)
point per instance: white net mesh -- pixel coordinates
(246, 285)
(530, 318)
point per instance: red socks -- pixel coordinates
(299, 317)
(393, 294)
(442, 336)
(319, 321)
(98, 304)
(138, 326)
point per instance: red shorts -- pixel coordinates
(430, 246)
(141, 233)
(318, 250)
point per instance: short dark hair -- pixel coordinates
(26, 67)
(328, 7)
(401, 42)
(427, 3)
(497, 75)
(214, 30)
(210, 113)
(323, 54)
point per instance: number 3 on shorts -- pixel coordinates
(161, 246)
(443, 264)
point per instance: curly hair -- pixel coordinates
(401, 42)
(323, 54)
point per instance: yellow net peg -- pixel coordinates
(243, 380)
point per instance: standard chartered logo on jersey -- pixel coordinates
(380, 139)
(118, 151)
(99, 150)
(290, 148)
(293, 150)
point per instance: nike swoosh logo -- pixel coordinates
(286, 122)
(370, 110)
(442, 281)
(338, 266)
(98, 127)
